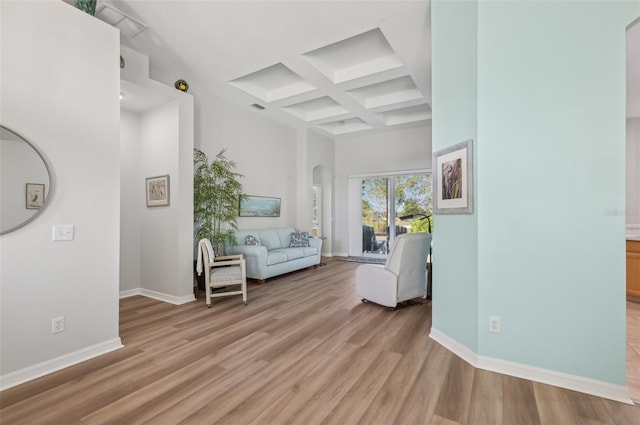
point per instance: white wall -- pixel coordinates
(157, 140)
(159, 229)
(61, 92)
(399, 150)
(321, 162)
(265, 151)
(131, 201)
(633, 176)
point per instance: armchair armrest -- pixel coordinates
(229, 257)
(377, 284)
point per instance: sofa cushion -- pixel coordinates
(291, 253)
(309, 251)
(285, 235)
(269, 238)
(276, 257)
(299, 239)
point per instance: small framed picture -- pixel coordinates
(157, 189)
(453, 179)
(35, 196)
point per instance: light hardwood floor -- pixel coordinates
(304, 351)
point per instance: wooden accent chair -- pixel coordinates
(221, 273)
(403, 277)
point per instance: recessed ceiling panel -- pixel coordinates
(316, 109)
(365, 54)
(406, 115)
(387, 93)
(273, 83)
(345, 126)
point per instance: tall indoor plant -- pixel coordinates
(217, 193)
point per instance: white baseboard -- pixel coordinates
(559, 379)
(172, 299)
(36, 371)
(130, 293)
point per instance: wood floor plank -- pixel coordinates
(486, 399)
(318, 406)
(356, 401)
(519, 401)
(420, 403)
(391, 397)
(553, 405)
(304, 351)
(455, 396)
(212, 412)
(301, 390)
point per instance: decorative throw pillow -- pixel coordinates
(299, 239)
(251, 240)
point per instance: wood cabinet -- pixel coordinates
(633, 269)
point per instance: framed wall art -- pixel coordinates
(34, 196)
(260, 206)
(157, 189)
(453, 179)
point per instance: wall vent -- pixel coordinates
(255, 105)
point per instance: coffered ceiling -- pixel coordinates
(336, 67)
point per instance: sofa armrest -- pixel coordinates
(316, 242)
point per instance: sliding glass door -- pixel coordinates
(392, 205)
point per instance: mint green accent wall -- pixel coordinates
(551, 108)
(544, 250)
(455, 241)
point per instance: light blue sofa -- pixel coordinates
(274, 256)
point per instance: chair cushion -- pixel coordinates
(225, 274)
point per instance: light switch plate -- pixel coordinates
(63, 232)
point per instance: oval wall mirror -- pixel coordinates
(25, 181)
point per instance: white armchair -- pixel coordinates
(221, 273)
(403, 277)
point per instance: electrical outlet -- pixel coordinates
(494, 324)
(57, 325)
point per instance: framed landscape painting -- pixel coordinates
(453, 179)
(260, 206)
